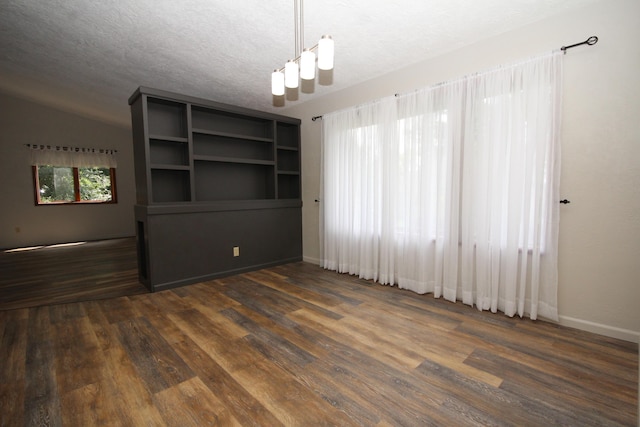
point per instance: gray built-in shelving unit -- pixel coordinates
(212, 177)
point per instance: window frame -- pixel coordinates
(76, 189)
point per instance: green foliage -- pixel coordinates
(57, 184)
(95, 184)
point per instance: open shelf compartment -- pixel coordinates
(222, 146)
(215, 181)
(170, 185)
(231, 123)
(167, 118)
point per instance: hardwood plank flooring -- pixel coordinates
(60, 274)
(296, 345)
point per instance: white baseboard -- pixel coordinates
(598, 328)
(310, 260)
(584, 325)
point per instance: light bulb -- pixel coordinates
(277, 83)
(325, 53)
(308, 65)
(291, 74)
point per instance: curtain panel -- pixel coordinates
(451, 190)
(72, 156)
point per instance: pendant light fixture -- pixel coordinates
(303, 66)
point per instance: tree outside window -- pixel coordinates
(63, 184)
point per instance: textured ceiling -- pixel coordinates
(89, 56)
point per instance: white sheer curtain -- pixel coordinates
(451, 190)
(72, 156)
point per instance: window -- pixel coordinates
(459, 197)
(64, 175)
(422, 156)
(65, 184)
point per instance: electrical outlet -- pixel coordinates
(236, 251)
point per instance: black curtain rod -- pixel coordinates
(590, 42)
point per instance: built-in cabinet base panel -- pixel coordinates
(193, 245)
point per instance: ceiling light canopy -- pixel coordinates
(303, 66)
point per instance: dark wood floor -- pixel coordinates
(69, 273)
(298, 345)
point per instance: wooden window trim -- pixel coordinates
(76, 184)
(114, 192)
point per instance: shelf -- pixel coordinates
(168, 138)
(233, 160)
(216, 206)
(232, 135)
(284, 147)
(169, 167)
(196, 151)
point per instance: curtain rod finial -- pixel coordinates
(590, 41)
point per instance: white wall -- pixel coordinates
(599, 254)
(24, 224)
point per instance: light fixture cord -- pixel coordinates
(298, 23)
(301, 47)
